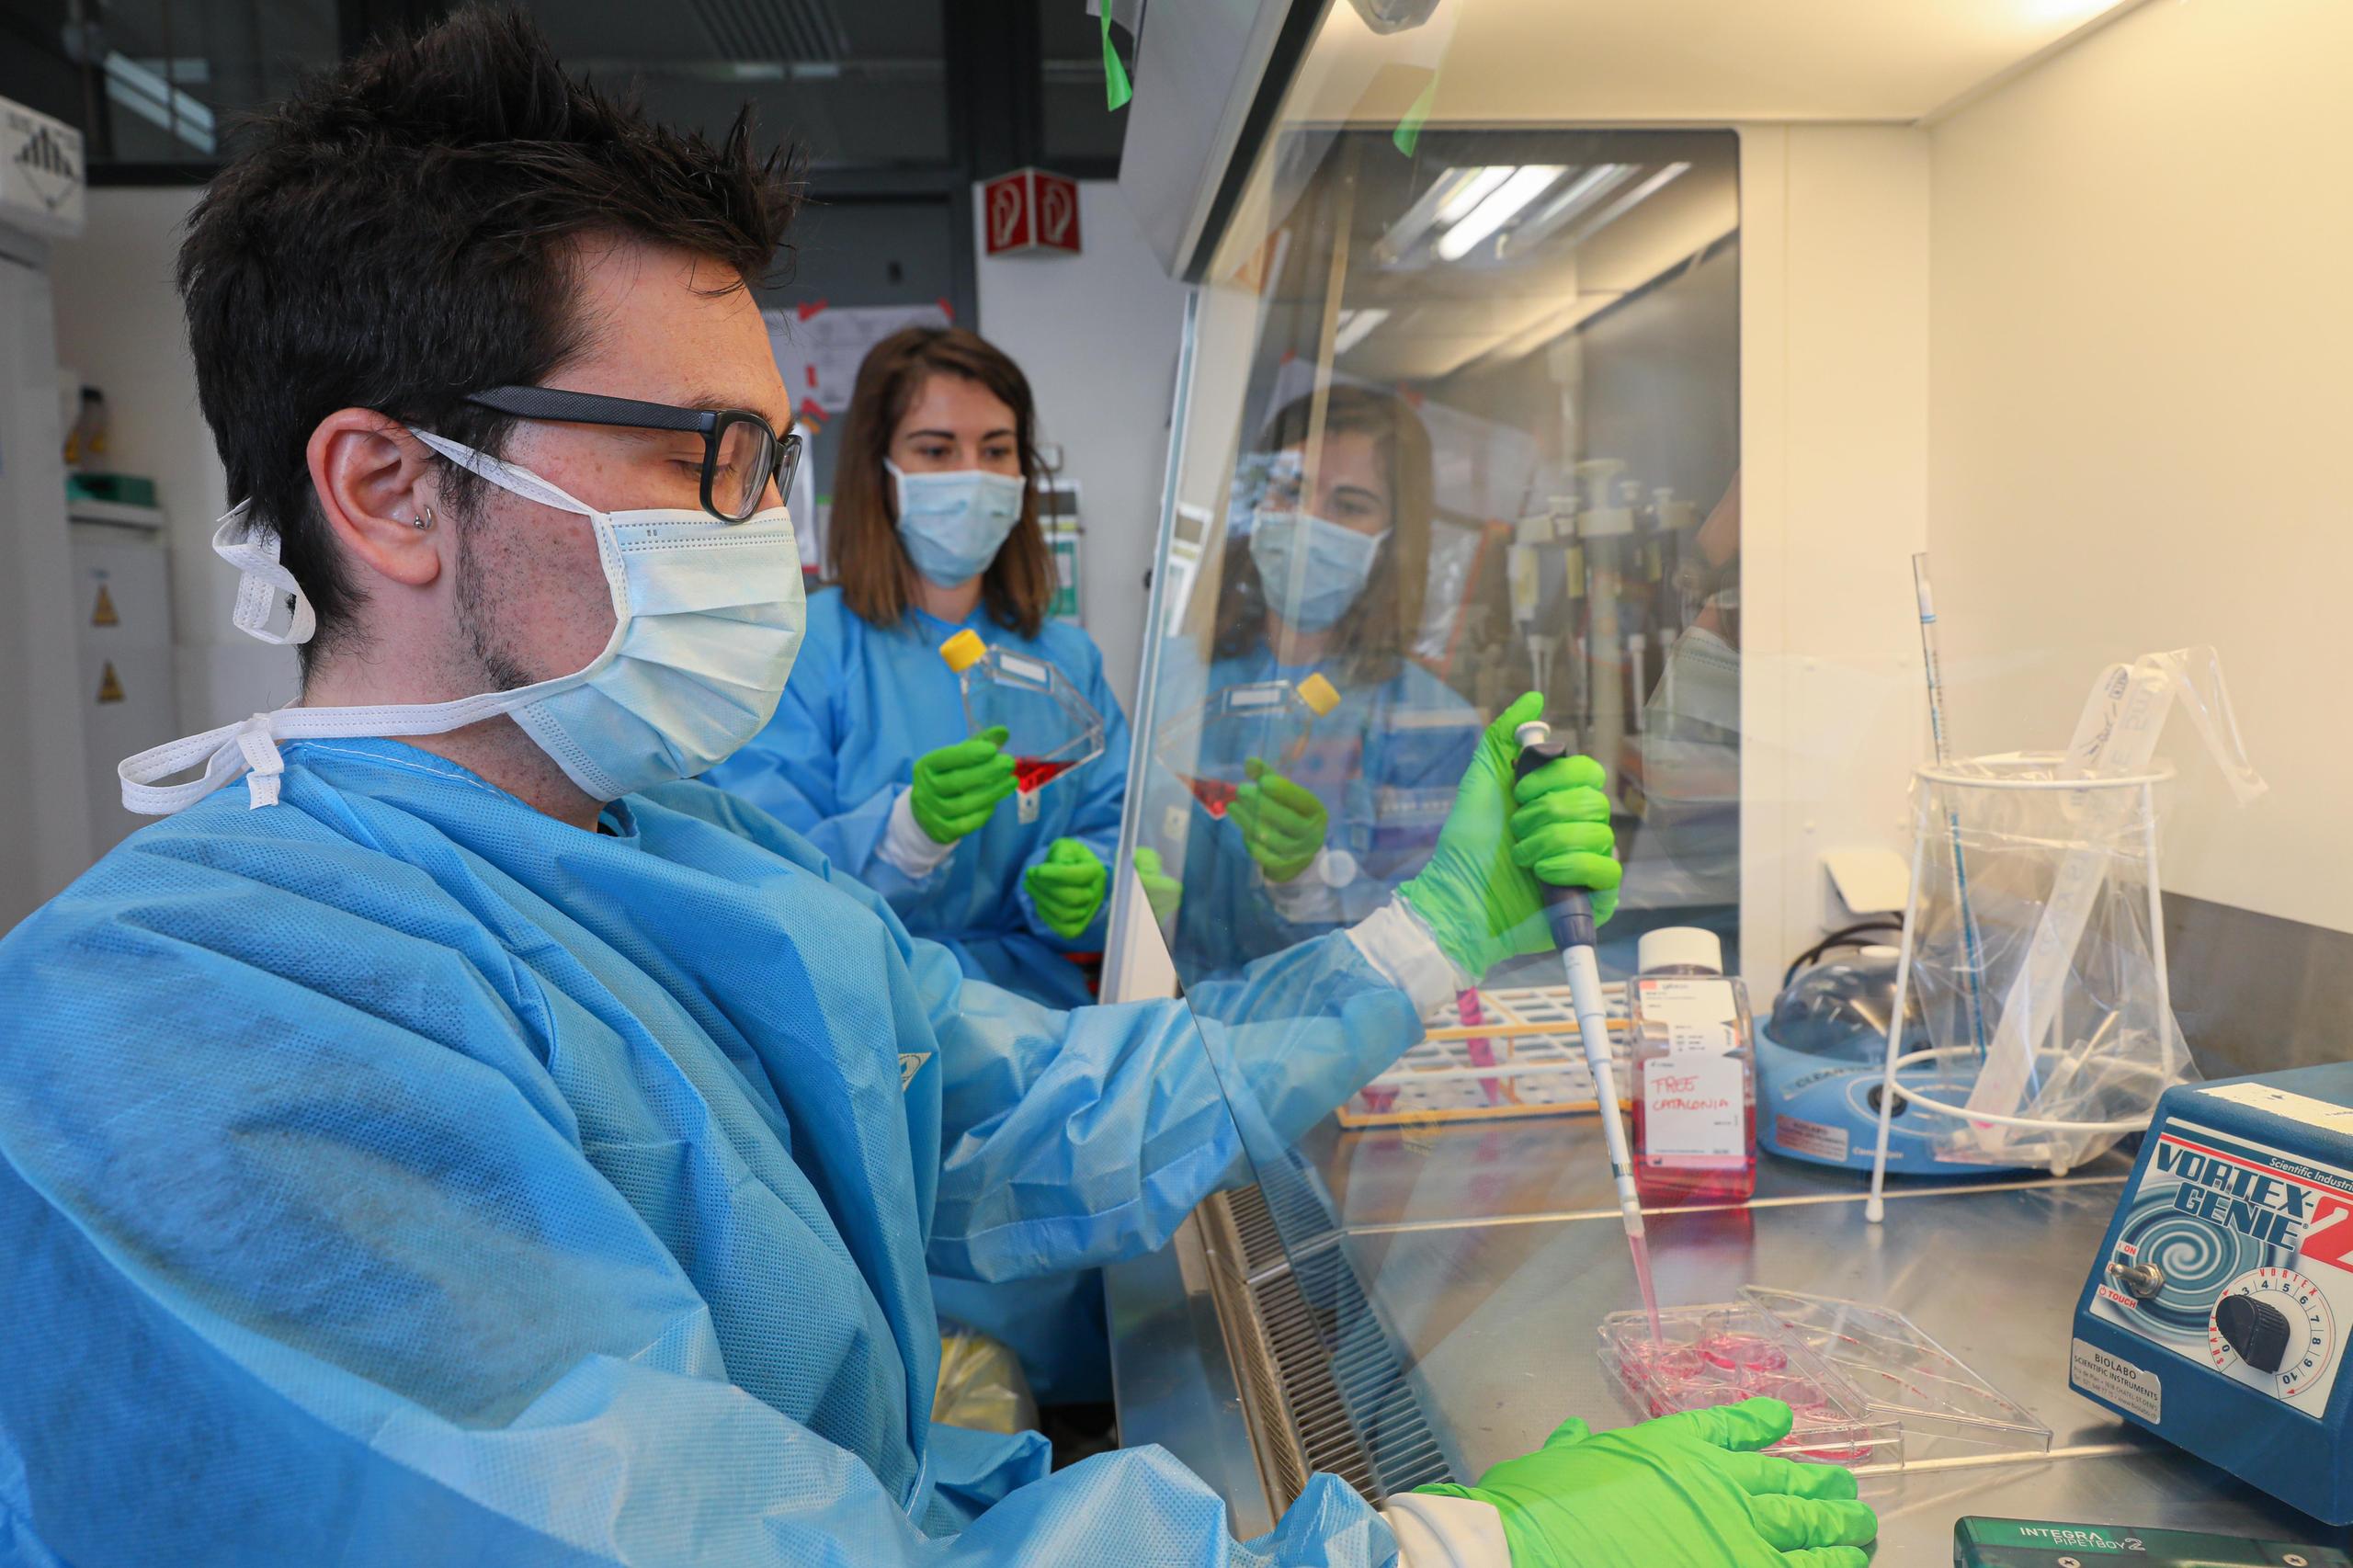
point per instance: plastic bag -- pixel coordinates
(981, 1387)
(2038, 946)
(2063, 1031)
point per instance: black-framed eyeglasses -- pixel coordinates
(740, 453)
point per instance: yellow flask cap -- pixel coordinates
(963, 650)
(1318, 694)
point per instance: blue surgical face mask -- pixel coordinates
(706, 618)
(1312, 569)
(953, 523)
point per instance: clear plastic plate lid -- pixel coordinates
(1945, 1408)
(1725, 1353)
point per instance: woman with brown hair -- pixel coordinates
(1324, 571)
(934, 530)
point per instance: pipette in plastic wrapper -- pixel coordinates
(1932, 658)
(1570, 912)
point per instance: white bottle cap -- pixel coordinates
(1678, 947)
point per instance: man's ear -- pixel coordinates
(376, 488)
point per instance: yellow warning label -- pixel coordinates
(109, 684)
(104, 615)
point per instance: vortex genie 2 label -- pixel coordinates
(2217, 1310)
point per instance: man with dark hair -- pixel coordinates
(491, 1146)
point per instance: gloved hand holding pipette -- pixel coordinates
(1505, 841)
(1540, 877)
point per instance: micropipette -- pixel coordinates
(1569, 911)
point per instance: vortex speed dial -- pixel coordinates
(2273, 1321)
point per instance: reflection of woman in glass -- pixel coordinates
(1322, 573)
(1689, 846)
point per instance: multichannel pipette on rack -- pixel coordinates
(1570, 912)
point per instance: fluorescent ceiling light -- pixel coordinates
(1454, 190)
(1523, 186)
(1631, 199)
(146, 94)
(1470, 192)
(1355, 327)
(1571, 204)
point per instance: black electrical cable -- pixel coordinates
(1844, 936)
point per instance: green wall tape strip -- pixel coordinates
(1115, 75)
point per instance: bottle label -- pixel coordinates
(1699, 999)
(1710, 1039)
(1692, 1104)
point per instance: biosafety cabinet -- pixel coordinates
(1630, 355)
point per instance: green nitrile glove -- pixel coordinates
(1482, 900)
(1067, 886)
(1684, 1488)
(957, 787)
(1163, 892)
(1282, 825)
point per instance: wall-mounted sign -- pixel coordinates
(1031, 211)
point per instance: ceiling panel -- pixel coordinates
(1681, 60)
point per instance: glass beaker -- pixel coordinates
(1209, 747)
(1050, 727)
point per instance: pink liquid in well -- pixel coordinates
(1481, 1051)
(1214, 794)
(1695, 1178)
(1742, 1353)
(1028, 772)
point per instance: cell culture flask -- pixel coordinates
(1050, 729)
(1210, 746)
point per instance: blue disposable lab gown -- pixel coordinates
(864, 702)
(1385, 762)
(395, 1175)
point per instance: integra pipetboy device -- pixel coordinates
(2217, 1310)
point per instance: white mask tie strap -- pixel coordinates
(264, 586)
(262, 765)
(515, 480)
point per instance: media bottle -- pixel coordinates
(1695, 1072)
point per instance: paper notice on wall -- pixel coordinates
(819, 347)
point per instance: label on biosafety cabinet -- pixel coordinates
(2249, 1244)
(2119, 1381)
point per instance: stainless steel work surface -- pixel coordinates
(1535, 1167)
(1493, 1308)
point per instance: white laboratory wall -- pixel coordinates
(119, 326)
(1834, 263)
(1097, 334)
(2141, 338)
